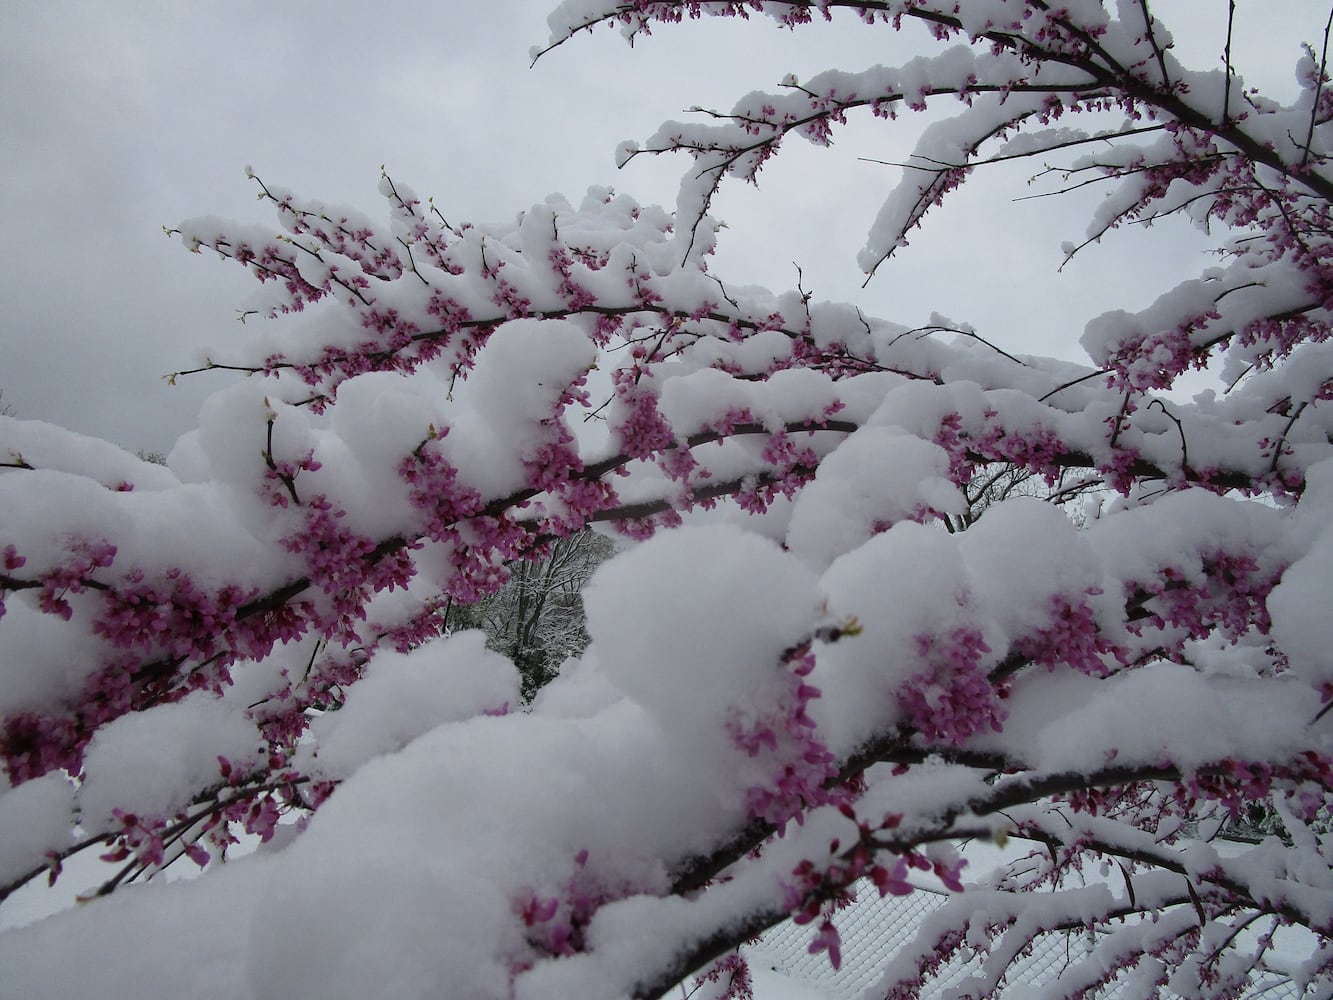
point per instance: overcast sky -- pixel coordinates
(119, 117)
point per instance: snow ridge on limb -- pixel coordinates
(829, 689)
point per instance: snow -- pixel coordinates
(853, 664)
(875, 477)
(906, 582)
(38, 817)
(769, 984)
(150, 763)
(723, 606)
(1301, 623)
(405, 695)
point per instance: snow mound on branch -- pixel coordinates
(1161, 712)
(694, 622)
(1298, 605)
(46, 446)
(906, 583)
(43, 661)
(404, 695)
(524, 369)
(150, 762)
(877, 476)
(1022, 553)
(513, 396)
(37, 817)
(446, 885)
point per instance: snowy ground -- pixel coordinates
(769, 984)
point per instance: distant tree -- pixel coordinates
(536, 619)
(6, 409)
(996, 482)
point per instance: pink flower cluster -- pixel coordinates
(154, 842)
(1232, 597)
(580, 498)
(1277, 337)
(437, 492)
(1307, 780)
(817, 893)
(136, 837)
(642, 431)
(1140, 804)
(452, 512)
(10, 560)
(951, 438)
(337, 561)
(555, 924)
(733, 971)
(271, 264)
(346, 239)
(1155, 361)
(1119, 472)
(805, 766)
(793, 465)
(576, 296)
(173, 619)
(643, 528)
(1072, 637)
(951, 698)
(477, 560)
(556, 459)
(33, 745)
(946, 945)
(1035, 449)
(73, 576)
(414, 630)
(172, 615)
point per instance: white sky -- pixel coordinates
(119, 117)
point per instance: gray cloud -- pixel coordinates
(118, 118)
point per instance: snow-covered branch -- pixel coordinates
(817, 671)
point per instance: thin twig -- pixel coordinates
(1318, 90)
(1152, 40)
(1227, 64)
